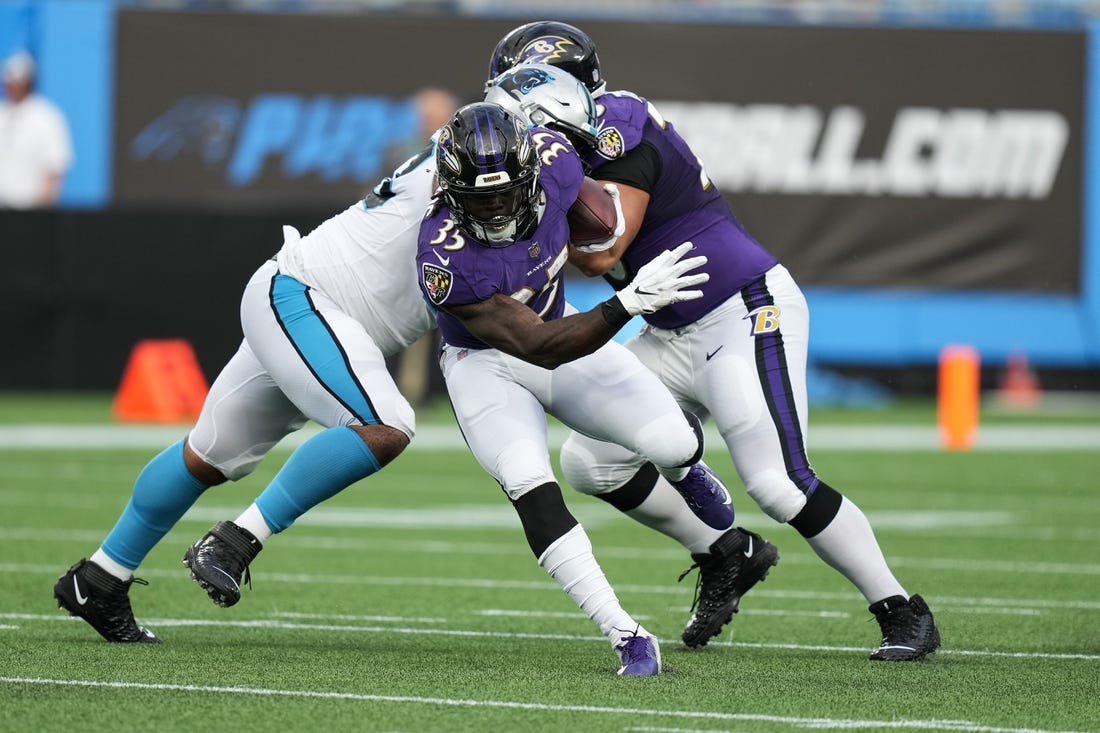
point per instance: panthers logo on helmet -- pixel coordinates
(525, 79)
(437, 282)
(545, 49)
(609, 143)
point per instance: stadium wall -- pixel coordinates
(897, 257)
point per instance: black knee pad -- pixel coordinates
(631, 494)
(821, 506)
(544, 516)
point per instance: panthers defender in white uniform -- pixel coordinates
(319, 321)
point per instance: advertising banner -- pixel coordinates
(871, 158)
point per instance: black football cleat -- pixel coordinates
(909, 632)
(737, 561)
(219, 559)
(89, 592)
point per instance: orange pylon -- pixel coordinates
(162, 383)
(959, 397)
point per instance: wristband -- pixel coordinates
(614, 312)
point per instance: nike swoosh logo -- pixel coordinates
(714, 352)
(230, 577)
(445, 261)
(80, 597)
(639, 291)
(748, 550)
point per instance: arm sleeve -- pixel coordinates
(639, 168)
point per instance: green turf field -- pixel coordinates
(410, 603)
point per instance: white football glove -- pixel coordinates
(620, 224)
(661, 282)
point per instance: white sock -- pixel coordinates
(666, 511)
(121, 572)
(253, 521)
(569, 561)
(849, 545)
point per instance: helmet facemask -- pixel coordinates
(488, 174)
(496, 214)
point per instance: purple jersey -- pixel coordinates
(684, 206)
(456, 269)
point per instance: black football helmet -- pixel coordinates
(489, 173)
(550, 42)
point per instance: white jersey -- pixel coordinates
(319, 322)
(364, 258)
(34, 144)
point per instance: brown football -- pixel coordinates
(592, 216)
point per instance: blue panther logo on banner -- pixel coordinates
(336, 139)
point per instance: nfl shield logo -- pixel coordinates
(534, 249)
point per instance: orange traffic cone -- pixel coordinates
(1019, 386)
(959, 398)
(162, 383)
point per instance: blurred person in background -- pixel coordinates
(434, 107)
(738, 355)
(36, 148)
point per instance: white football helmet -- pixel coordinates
(546, 96)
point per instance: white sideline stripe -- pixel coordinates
(549, 585)
(500, 515)
(823, 437)
(953, 725)
(286, 625)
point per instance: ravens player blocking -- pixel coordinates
(737, 355)
(702, 523)
(318, 324)
(490, 258)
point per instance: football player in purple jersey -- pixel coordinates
(737, 355)
(490, 259)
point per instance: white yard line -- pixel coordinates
(668, 589)
(800, 557)
(815, 723)
(441, 437)
(272, 623)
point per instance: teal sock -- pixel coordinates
(319, 469)
(163, 492)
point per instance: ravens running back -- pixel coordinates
(490, 258)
